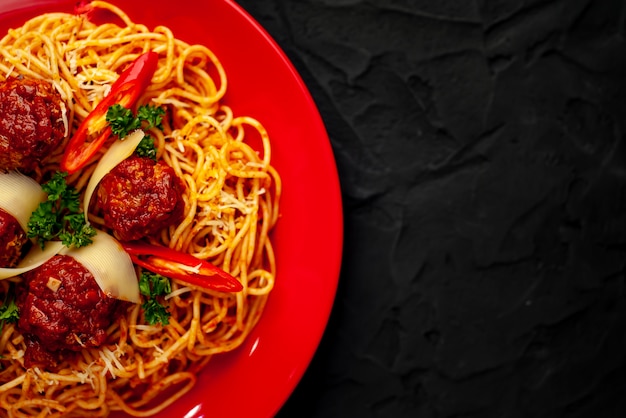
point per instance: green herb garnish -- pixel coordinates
(60, 217)
(153, 115)
(122, 122)
(146, 148)
(153, 285)
(8, 313)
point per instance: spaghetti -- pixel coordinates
(231, 204)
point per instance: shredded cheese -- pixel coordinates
(66, 123)
(178, 292)
(170, 101)
(111, 359)
(71, 59)
(145, 327)
(228, 200)
(191, 269)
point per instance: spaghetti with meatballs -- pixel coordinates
(191, 216)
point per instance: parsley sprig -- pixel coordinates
(122, 122)
(8, 313)
(60, 217)
(146, 148)
(152, 285)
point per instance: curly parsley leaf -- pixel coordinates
(146, 148)
(153, 115)
(8, 313)
(121, 120)
(152, 285)
(44, 224)
(56, 187)
(155, 312)
(60, 217)
(77, 233)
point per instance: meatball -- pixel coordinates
(13, 240)
(62, 309)
(31, 123)
(139, 197)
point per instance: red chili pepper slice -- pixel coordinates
(181, 266)
(125, 91)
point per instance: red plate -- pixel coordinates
(256, 379)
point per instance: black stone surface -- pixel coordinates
(482, 156)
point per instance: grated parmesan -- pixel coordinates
(110, 359)
(176, 103)
(66, 123)
(177, 292)
(71, 58)
(228, 201)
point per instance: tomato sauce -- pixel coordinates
(139, 197)
(63, 309)
(31, 123)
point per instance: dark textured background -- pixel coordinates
(481, 152)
